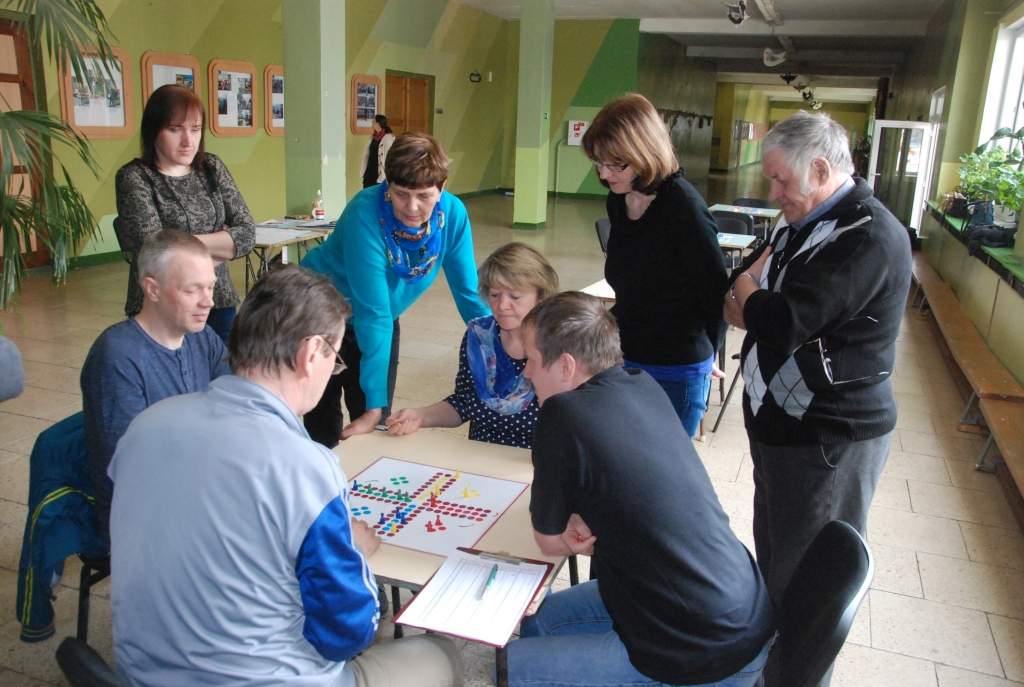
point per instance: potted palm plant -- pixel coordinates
(992, 178)
(34, 142)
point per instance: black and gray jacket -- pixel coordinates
(820, 346)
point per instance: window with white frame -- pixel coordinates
(1005, 96)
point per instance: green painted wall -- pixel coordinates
(206, 29)
(594, 62)
(738, 102)
(446, 40)
(674, 82)
(853, 116)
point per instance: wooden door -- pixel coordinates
(407, 102)
(17, 92)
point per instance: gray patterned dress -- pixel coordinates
(197, 203)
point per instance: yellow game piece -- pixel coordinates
(458, 474)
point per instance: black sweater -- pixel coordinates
(820, 344)
(669, 276)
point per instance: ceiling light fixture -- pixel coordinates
(737, 13)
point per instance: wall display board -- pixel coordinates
(273, 99)
(98, 103)
(162, 68)
(232, 106)
(365, 104)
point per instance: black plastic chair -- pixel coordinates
(733, 223)
(820, 603)
(83, 667)
(603, 227)
(728, 397)
(752, 203)
(737, 222)
(93, 571)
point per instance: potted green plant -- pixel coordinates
(35, 140)
(992, 177)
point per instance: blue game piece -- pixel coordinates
(382, 519)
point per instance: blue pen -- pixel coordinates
(487, 583)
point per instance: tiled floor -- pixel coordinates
(946, 607)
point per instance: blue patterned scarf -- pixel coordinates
(411, 253)
(498, 385)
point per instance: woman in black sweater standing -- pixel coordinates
(663, 260)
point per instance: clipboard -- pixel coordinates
(477, 595)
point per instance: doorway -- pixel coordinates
(17, 92)
(409, 102)
(901, 166)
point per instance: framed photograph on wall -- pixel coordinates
(273, 99)
(365, 103)
(98, 103)
(162, 68)
(232, 106)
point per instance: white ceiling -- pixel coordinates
(833, 39)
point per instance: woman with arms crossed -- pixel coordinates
(177, 184)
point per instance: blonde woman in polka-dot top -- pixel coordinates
(490, 389)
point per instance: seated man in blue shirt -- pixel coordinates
(165, 350)
(235, 557)
(679, 599)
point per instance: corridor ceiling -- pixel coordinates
(836, 43)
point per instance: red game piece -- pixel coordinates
(438, 521)
(430, 528)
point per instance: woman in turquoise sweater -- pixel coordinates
(387, 249)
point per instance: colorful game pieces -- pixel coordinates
(430, 528)
(355, 485)
(382, 520)
(437, 521)
(458, 473)
(433, 501)
(401, 518)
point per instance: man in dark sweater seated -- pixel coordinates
(165, 350)
(679, 600)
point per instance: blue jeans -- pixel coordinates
(220, 321)
(570, 642)
(690, 399)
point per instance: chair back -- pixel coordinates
(83, 667)
(752, 202)
(820, 603)
(603, 227)
(733, 222)
(121, 242)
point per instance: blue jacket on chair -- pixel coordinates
(59, 523)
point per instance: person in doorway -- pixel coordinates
(376, 152)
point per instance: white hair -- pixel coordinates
(804, 136)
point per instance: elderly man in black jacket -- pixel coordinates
(821, 303)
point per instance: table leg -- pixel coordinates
(396, 600)
(284, 255)
(501, 666)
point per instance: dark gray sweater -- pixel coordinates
(199, 203)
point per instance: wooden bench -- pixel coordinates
(996, 403)
(1005, 420)
(986, 376)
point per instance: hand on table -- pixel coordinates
(405, 421)
(364, 424)
(364, 538)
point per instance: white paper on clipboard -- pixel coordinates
(452, 603)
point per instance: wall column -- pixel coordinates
(533, 117)
(316, 104)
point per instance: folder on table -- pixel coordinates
(477, 596)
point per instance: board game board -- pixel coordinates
(428, 508)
